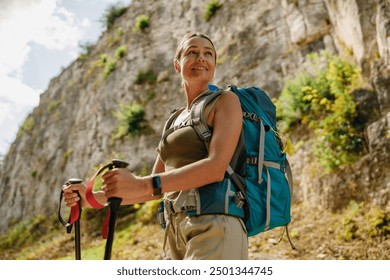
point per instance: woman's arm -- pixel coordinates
(71, 198)
(226, 118)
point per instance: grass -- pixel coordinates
(138, 236)
(27, 126)
(111, 14)
(86, 49)
(109, 67)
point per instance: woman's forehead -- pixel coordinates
(198, 42)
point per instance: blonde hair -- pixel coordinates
(188, 36)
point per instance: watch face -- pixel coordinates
(156, 185)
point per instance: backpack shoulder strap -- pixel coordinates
(198, 120)
(168, 128)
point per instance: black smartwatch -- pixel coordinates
(156, 185)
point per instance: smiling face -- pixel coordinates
(196, 61)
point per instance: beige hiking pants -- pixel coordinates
(207, 237)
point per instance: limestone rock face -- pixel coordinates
(259, 42)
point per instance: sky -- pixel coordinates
(38, 39)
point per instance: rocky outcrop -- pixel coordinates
(258, 43)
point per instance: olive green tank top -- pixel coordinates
(183, 146)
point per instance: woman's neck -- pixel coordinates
(193, 91)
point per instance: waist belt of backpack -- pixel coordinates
(94, 203)
(185, 201)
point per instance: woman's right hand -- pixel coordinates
(71, 197)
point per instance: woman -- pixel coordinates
(178, 170)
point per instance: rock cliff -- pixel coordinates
(259, 42)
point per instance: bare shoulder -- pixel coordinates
(227, 105)
(230, 94)
(229, 99)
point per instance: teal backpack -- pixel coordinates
(259, 170)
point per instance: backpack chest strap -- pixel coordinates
(201, 129)
(198, 121)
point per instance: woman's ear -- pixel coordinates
(176, 64)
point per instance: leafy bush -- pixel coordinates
(378, 222)
(142, 22)
(108, 64)
(360, 223)
(147, 76)
(112, 13)
(321, 99)
(24, 233)
(150, 94)
(54, 104)
(120, 52)
(27, 126)
(211, 8)
(102, 60)
(34, 173)
(109, 68)
(115, 38)
(147, 212)
(68, 153)
(131, 120)
(86, 49)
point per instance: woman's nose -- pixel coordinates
(200, 57)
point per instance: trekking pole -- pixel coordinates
(113, 203)
(74, 218)
(74, 181)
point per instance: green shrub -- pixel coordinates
(86, 49)
(120, 52)
(112, 13)
(109, 68)
(27, 126)
(378, 222)
(211, 8)
(147, 76)
(147, 212)
(115, 38)
(68, 153)
(349, 229)
(108, 64)
(101, 62)
(321, 99)
(119, 32)
(364, 222)
(54, 104)
(130, 119)
(24, 233)
(150, 94)
(142, 22)
(34, 173)
(350, 223)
